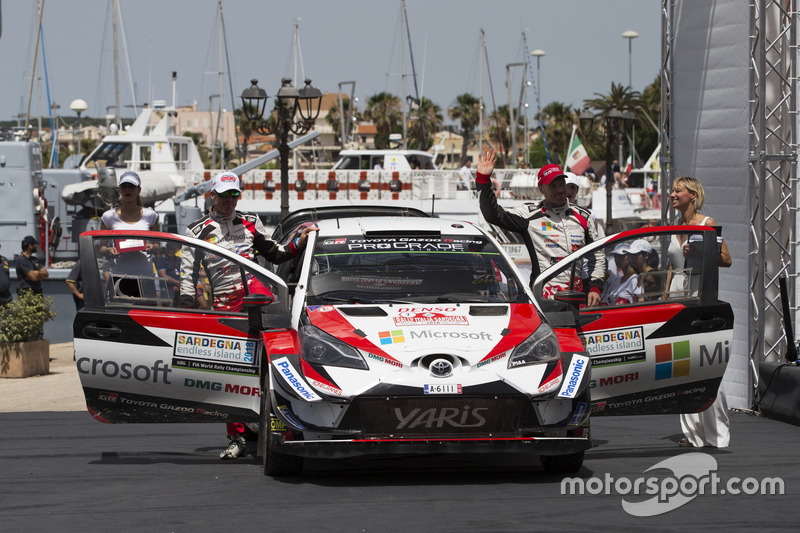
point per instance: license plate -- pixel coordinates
(442, 389)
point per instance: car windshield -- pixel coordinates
(442, 268)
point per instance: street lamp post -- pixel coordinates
(630, 35)
(614, 122)
(512, 120)
(79, 106)
(291, 101)
(538, 54)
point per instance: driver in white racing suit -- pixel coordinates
(244, 234)
(551, 229)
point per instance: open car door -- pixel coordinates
(147, 352)
(662, 345)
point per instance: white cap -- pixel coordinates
(130, 177)
(225, 181)
(621, 248)
(571, 179)
(640, 246)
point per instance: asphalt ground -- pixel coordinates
(64, 471)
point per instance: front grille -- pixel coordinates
(440, 417)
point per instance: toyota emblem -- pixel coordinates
(441, 368)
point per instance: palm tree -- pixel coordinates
(468, 111)
(499, 131)
(246, 128)
(334, 118)
(558, 118)
(432, 119)
(621, 97)
(386, 112)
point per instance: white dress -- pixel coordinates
(711, 427)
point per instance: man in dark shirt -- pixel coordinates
(30, 269)
(5, 282)
(168, 267)
(75, 284)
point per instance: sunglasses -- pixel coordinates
(229, 194)
(127, 186)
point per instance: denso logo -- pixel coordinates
(454, 417)
(112, 369)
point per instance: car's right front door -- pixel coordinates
(664, 350)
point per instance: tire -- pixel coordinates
(275, 464)
(562, 464)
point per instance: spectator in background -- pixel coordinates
(130, 215)
(465, 175)
(5, 281)
(168, 267)
(621, 284)
(75, 284)
(30, 270)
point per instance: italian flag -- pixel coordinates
(628, 165)
(577, 160)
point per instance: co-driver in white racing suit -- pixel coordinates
(244, 234)
(551, 229)
(241, 233)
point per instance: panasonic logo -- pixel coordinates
(574, 376)
(295, 382)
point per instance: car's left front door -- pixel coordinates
(147, 353)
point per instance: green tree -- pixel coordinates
(468, 111)
(432, 119)
(499, 132)
(386, 112)
(558, 118)
(622, 98)
(334, 117)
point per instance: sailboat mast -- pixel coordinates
(480, 98)
(220, 123)
(115, 11)
(403, 74)
(35, 60)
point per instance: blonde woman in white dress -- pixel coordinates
(712, 426)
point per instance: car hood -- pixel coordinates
(404, 333)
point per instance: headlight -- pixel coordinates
(320, 348)
(541, 347)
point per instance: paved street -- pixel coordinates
(63, 471)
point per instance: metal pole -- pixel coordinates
(284, 151)
(630, 62)
(609, 178)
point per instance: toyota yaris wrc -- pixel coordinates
(391, 335)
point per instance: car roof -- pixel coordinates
(316, 214)
(401, 226)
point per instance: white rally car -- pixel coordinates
(390, 335)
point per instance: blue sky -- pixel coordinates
(340, 41)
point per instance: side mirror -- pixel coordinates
(256, 318)
(573, 299)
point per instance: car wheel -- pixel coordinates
(562, 464)
(275, 464)
(280, 464)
